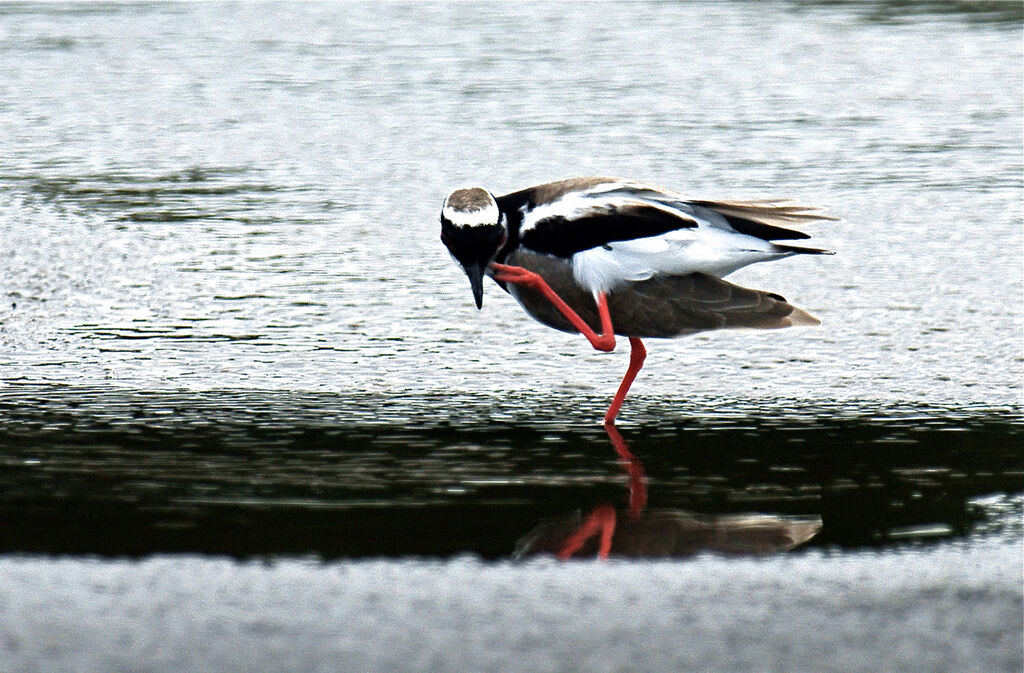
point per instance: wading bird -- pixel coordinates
(606, 257)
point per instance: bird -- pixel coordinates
(607, 257)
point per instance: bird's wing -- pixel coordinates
(567, 217)
(714, 250)
(765, 219)
(776, 212)
(618, 231)
(670, 306)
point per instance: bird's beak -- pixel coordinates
(476, 281)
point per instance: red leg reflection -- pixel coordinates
(602, 519)
(635, 469)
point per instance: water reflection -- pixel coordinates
(668, 534)
(265, 473)
(637, 532)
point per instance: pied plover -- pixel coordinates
(606, 257)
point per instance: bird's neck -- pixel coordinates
(513, 220)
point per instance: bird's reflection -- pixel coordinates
(661, 533)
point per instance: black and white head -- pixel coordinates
(473, 229)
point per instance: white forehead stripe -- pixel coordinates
(469, 218)
(487, 214)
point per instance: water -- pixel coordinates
(342, 476)
(228, 329)
(252, 202)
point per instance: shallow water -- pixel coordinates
(253, 472)
(227, 326)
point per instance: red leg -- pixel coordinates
(601, 520)
(520, 276)
(637, 354)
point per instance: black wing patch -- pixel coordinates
(766, 232)
(565, 237)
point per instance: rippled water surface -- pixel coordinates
(209, 196)
(227, 326)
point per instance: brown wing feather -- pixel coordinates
(552, 191)
(765, 211)
(666, 306)
(678, 305)
(778, 212)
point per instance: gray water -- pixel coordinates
(228, 328)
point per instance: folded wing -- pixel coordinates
(669, 306)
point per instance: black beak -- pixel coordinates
(476, 281)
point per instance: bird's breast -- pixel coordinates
(557, 272)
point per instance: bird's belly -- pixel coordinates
(633, 313)
(666, 306)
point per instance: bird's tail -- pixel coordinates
(801, 318)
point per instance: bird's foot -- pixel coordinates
(602, 342)
(516, 275)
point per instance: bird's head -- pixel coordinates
(474, 230)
